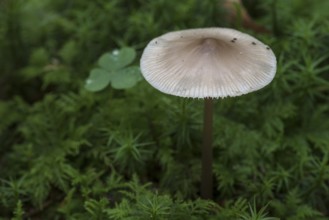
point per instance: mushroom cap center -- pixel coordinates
(209, 45)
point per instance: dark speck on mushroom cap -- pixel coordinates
(207, 62)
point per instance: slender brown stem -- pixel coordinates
(207, 154)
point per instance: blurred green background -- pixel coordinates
(131, 152)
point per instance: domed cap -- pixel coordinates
(207, 62)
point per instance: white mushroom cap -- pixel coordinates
(207, 62)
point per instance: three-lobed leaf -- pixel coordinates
(113, 70)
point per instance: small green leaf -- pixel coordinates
(97, 80)
(126, 78)
(69, 51)
(39, 57)
(117, 59)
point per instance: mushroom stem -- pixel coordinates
(207, 154)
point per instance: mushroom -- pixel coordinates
(207, 63)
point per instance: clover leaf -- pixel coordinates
(113, 69)
(117, 59)
(97, 80)
(126, 78)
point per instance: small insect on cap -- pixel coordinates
(207, 62)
